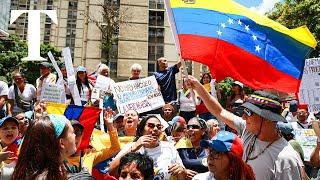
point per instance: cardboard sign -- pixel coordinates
(141, 95)
(310, 85)
(103, 83)
(52, 93)
(71, 76)
(307, 140)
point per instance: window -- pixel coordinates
(151, 68)
(156, 18)
(156, 4)
(73, 5)
(156, 35)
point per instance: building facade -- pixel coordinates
(143, 38)
(4, 18)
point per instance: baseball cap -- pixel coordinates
(303, 106)
(238, 83)
(118, 116)
(76, 123)
(285, 128)
(177, 119)
(293, 107)
(224, 141)
(81, 69)
(8, 118)
(45, 64)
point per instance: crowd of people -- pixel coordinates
(191, 137)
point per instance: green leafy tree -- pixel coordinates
(295, 13)
(12, 50)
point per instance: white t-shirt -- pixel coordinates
(3, 91)
(186, 104)
(28, 94)
(163, 156)
(3, 88)
(7, 170)
(85, 92)
(204, 176)
(299, 125)
(279, 161)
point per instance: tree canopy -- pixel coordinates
(295, 13)
(12, 50)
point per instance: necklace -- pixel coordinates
(251, 150)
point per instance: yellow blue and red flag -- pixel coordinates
(235, 41)
(87, 116)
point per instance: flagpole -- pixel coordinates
(177, 43)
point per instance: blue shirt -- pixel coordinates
(167, 81)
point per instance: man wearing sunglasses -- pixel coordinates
(269, 154)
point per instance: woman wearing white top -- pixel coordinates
(187, 106)
(166, 159)
(83, 85)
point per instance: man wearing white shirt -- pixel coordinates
(302, 117)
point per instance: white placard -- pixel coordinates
(102, 83)
(309, 92)
(60, 79)
(52, 93)
(71, 76)
(141, 95)
(307, 140)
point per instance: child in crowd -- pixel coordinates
(10, 141)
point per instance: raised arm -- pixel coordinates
(211, 103)
(115, 144)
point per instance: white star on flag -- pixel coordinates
(247, 27)
(239, 22)
(219, 32)
(223, 25)
(254, 37)
(230, 21)
(258, 48)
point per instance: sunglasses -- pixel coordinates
(193, 126)
(152, 126)
(247, 112)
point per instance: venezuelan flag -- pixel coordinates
(235, 41)
(87, 116)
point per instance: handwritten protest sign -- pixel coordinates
(141, 95)
(310, 85)
(52, 93)
(307, 140)
(103, 82)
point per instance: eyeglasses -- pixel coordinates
(213, 154)
(152, 126)
(247, 112)
(193, 126)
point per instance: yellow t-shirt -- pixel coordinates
(93, 157)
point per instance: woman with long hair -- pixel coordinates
(83, 84)
(166, 159)
(47, 142)
(211, 87)
(224, 159)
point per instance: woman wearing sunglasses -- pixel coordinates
(224, 159)
(192, 157)
(166, 159)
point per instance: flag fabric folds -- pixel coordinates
(87, 116)
(235, 41)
